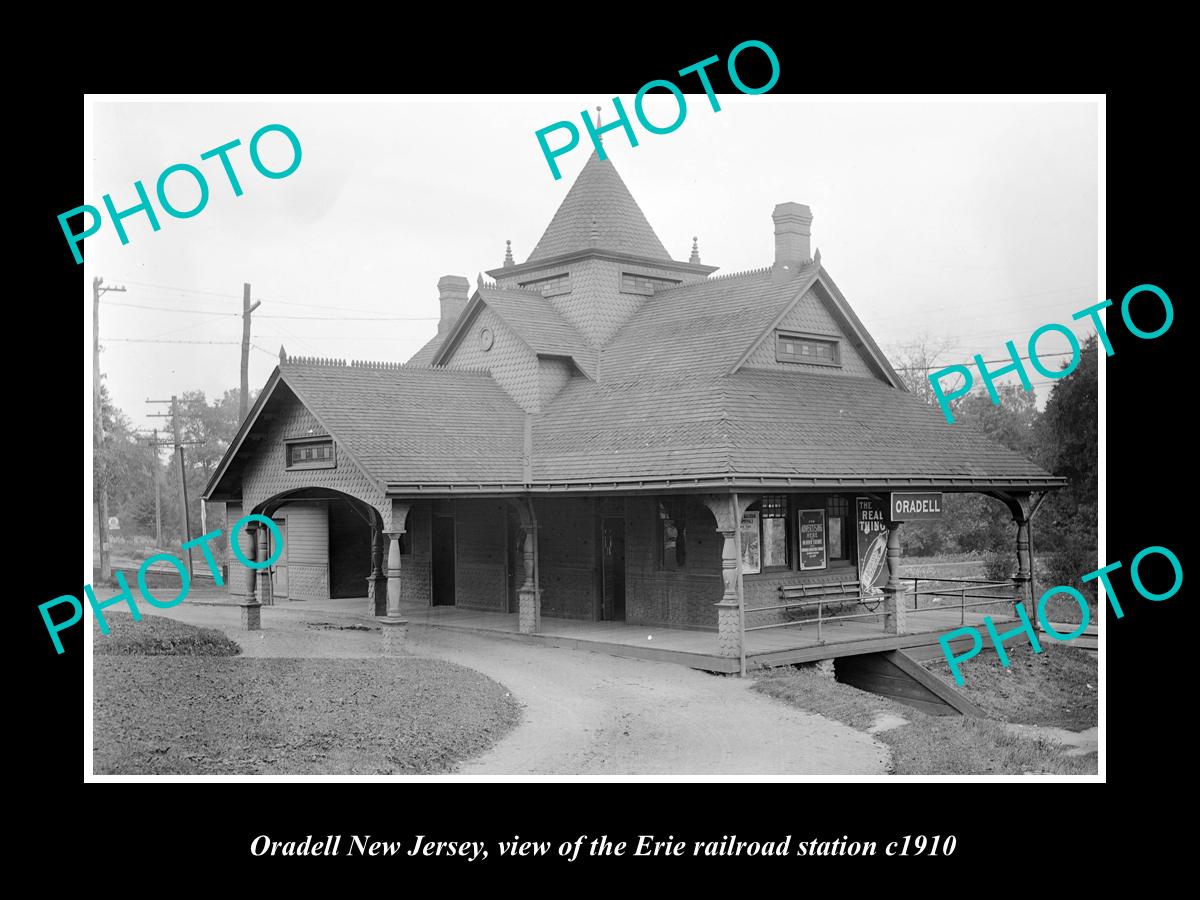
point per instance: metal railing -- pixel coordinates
(846, 593)
(961, 589)
(849, 593)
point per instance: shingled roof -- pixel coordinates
(531, 316)
(809, 428)
(701, 326)
(440, 426)
(669, 401)
(599, 213)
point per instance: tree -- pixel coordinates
(1066, 437)
(971, 523)
(127, 467)
(119, 461)
(214, 426)
(915, 359)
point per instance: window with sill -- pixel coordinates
(837, 515)
(645, 284)
(811, 350)
(773, 508)
(311, 454)
(549, 287)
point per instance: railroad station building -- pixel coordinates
(603, 433)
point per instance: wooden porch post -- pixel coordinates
(1022, 508)
(529, 594)
(264, 574)
(393, 573)
(727, 509)
(376, 581)
(893, 590)
(251, 608)
(395, 627)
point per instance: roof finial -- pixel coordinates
(282, 354)
(599, 130)
(479, 281)
(695, 250)
(817, 256)
(508, 260)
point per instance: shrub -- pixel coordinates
(158, 636)
(998, 566)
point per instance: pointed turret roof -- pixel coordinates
(599, 212)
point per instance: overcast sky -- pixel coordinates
(972, 221)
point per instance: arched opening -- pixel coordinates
(331, 545)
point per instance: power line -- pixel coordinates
(1011, 297)
(355, 318)
(293, 318)
(320, 305)
(986, 362)
(161, 341)
(190, 326)
(202, 312)
(197, 291)
(329, 337)
(168, 287)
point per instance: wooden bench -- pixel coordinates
(800, 601)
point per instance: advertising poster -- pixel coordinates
(812, 539)
(872, 546)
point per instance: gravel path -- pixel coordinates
(589, 713)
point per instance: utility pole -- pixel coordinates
(99, 288)
(247, 309)
(153, 445)
(157, 496)
(178, 443)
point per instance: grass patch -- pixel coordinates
(157, 636)
(1056, 687)
(158, 715)
(928, 745)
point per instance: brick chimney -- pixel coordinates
(793, 235)
(452, 292)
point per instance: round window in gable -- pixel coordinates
(486, 339)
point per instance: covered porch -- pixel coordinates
(718, 581)
(693, 648)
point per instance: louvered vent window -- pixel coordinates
(549, 287)
(644, 284)
(813, 351)
(311, 455)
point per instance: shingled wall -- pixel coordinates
(567, 556)
(510, 361)
(811, 316)
(267, 474)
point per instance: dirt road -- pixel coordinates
(592, 714)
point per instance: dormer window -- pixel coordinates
(549, 287)
(813, 350)
(632, 283)
(311, 454)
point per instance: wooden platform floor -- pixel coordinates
(698, 649)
